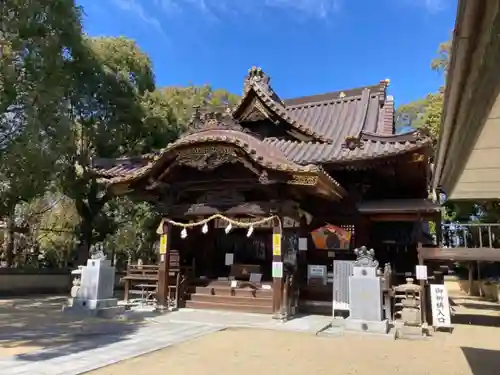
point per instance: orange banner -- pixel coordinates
(331, 237)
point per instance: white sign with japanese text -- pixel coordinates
(342, 270)
(421, 272)
(441, 316)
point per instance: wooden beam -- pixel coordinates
(401, 217)
(278, 258)
(163, 273)
(256, 208)
(193, 185)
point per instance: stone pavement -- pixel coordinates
(111, 342)
(308, 323)
(99, 350)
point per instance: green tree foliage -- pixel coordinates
(113, 114)
(135, 237)
(425, 113)
(55, 229)
(65, 99)
(441, 62)
(35, 37)
(183, 99)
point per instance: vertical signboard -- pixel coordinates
(342, 269)
(441, 317)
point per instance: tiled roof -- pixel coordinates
(370, 147)
(271, 153)
(267, 156)
(260, 152)
(330, 117)
(257, 83)
(121, 166)
(347, 125)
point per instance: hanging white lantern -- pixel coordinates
(228, 228)
(250, 231)
(205, 228)
(184, 233)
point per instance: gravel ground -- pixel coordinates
(472, 349)
(250, 352)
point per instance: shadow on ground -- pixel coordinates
(479, 306)
(476, 311)
(35, 329)
(482, 361)
(476, 319)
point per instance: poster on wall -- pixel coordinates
(163, 244)
(331, 237)
(276, 244)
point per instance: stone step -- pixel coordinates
(231, 300)
(229, 307)
(226, 291)
(220, 283)
(315, 307)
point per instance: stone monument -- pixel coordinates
(93, 288)
(366, 295)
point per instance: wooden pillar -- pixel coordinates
(163, 272)
(439, 231)
(423, 293)
(277, 262)
(471, 278)
(302, 254)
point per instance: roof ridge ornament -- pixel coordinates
(258, 76)
(353, 142)
(212, 120)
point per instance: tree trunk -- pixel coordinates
(10, 242)
(85, 241)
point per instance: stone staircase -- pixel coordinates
(218, 295)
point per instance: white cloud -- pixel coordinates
(433, 6)
(216, 9)
(137, 7)
(316, 8)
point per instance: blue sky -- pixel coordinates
(306, 46)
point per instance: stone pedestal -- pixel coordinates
(94, 295)
(366, 296)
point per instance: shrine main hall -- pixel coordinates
(258, 200)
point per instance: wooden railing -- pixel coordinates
(470, 235)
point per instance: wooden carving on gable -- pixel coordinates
(207, 157)
(221, 197)
(255, 112)
(212, 156)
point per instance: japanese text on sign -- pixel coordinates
(163, 244)
(440, 306)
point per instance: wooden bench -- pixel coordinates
(142, 277)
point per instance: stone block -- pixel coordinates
(365, 296)
(359, 325)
